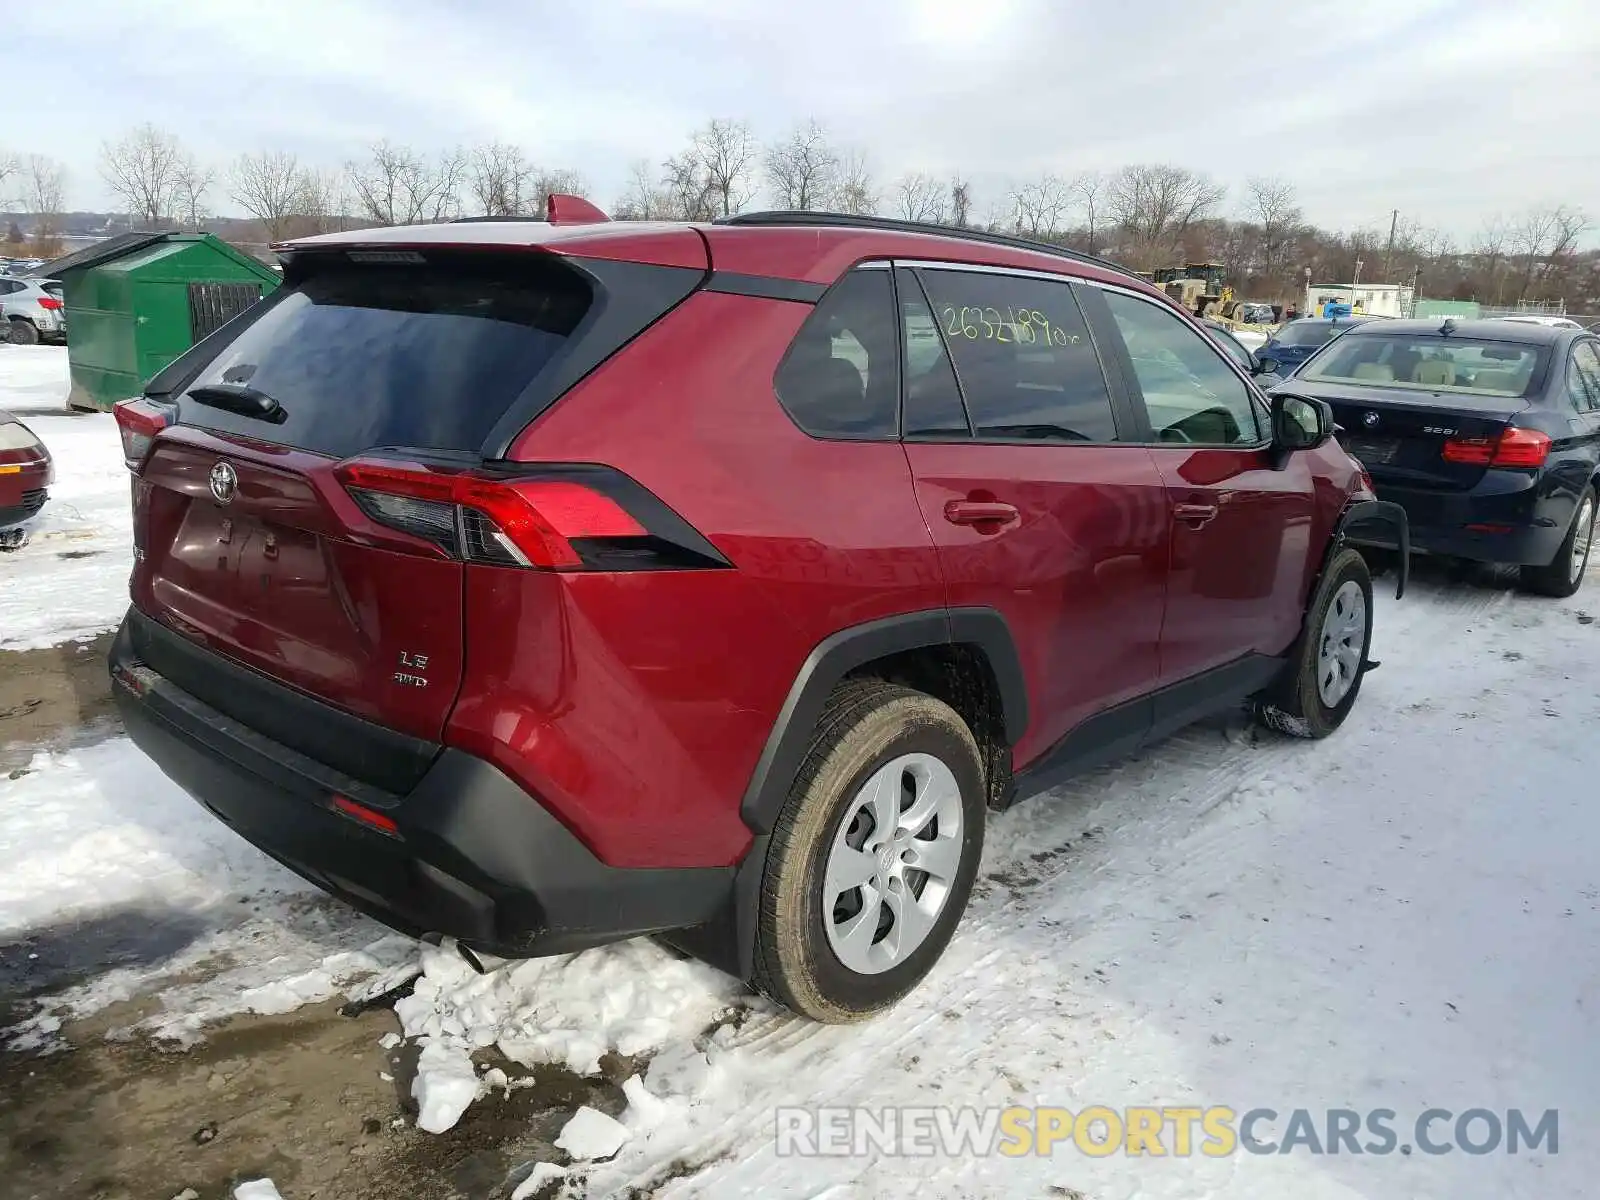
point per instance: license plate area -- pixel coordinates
(1372, 451)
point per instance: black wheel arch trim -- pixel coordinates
(1373, 512)
(836, 656)
(728, 941)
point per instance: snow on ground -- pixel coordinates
(71, 580)
(117, 881)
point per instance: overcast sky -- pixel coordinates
(1449, 111)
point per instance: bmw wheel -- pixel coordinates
(1564, 574)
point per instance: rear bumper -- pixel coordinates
(21, 504)
(473, 855)
(1498, 521)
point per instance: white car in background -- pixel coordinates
(1534, 319)
(33, 310)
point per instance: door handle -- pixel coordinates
(979, 512)
(1194, 515)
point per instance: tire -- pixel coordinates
(1299, 703)
(1563, 575)
(804, 959)
(23, 332)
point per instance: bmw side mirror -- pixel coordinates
(1299, 423)
(1266, 365)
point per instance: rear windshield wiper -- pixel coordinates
(239, 398)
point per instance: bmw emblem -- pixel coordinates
(224, 481)
(1369, 419)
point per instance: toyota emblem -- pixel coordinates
(1369, 419)
(224, 482)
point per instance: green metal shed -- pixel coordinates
(137, 301)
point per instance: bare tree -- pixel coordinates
(801, 169)
(193, 186)
(1542, 238)
(557, 179)
(1156, 203)
(499, 178)
(1271, 204)
(1038, 209)
(726, 153)
(687, 188)
(1490, 247)
(960, 201)
(10, 165)
(642, 200)
(855, 193)
(44, 186)
(270, 187)
(1088, 190)
(145, 169)
(398, 186)
(320, 202)
(919, 197)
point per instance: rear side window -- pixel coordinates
(1023, 355)
(840, 377)
(397, 355)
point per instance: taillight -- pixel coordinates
(49, 302)
(139, 420)
(546, 518)
(1513, 448)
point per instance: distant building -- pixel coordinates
(1370, 299)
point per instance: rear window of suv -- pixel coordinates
(1431, 363)
(426, 356)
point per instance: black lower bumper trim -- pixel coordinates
(476, 858)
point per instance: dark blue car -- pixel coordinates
(1299, 340)
(1486, 432)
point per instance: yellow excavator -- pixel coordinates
(1199, 287)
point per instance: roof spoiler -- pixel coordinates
(564, 209)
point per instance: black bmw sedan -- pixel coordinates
(1486, 432)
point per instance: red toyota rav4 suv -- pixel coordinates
(541, 584)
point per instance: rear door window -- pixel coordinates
(1023, 357)
(840, 376)
(425, 356)
(1583, 377)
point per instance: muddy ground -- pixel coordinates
(310, 1099)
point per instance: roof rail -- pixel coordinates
(846, 221)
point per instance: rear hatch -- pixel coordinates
(1400, 436)
(254, 535)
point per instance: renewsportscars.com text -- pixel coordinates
(1160, 1131)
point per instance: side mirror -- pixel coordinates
(1299, 423)
(1266, 365)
